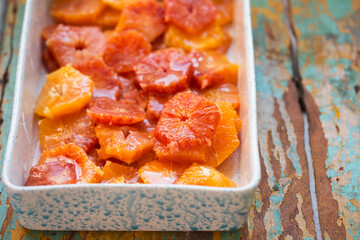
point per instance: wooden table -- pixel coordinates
(308, 76)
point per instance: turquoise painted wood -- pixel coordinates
(329, 40)
(329, 47)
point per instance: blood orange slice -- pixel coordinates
(164, 71)
(61, 171)
(110, 112)
(123, 50)
(106, 81)
(192, 16)
(71, 44)
(147, 17)
(90, 172)
(186, 129)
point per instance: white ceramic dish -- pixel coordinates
(127, 207)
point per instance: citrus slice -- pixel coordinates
(227, 93)
(205, 176)
(225, 9)
(122, 143)
(90, 172)
(61, 171)
(191, 16)
(120, 4)
(117, 180)
(155, 105)
(73, 128)
(138, 97)
(71, 44)
(76, 12)
(49, 61)
(48, 31)
(128, 82)
(164, 71)
(106, 81)
(65, 91)
(124, 49)
(212, 37)
(118, 173)
(186, 129)
(108, 18)
(156, 172)
(147, 17)
(93, 156)
(110, 112)
(212, 68)
(226, 135)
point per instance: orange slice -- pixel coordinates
(227, 93)
(106, 81)
(191, 16)
(205, 176)
(212, 68)
(156, 172)
(49, 61)
(211, 38)
(155, 105)
(110, 112)
(117, 180)
(122, 143)
(71, 44)
(48, 31)
(123, 50)
(164, 71)
(147, 17)
(108, 18)
(65, 91)
(139, 98)
(226, 135)
(74, 128)
(118, 173)
(225, 9)
(120, 4)
(62, 170)
(76, 12)
(90, 172)
(186, 129)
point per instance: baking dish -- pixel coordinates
(127, 207)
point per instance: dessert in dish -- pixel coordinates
(138, 92)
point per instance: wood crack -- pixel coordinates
(297, 79)
(5, 78)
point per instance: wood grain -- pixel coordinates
(329, 48)
(282, 208)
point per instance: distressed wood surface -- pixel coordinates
(328, 34)
(329, 59)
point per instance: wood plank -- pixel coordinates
(329, 48)
(283, 208)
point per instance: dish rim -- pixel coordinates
(253, 156)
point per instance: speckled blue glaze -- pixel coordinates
(130, 208)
